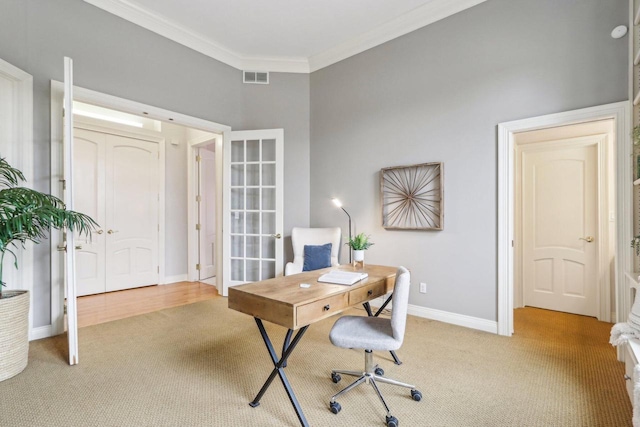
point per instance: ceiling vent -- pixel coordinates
(256, 77)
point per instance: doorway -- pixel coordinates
(565, 218)
(167, 269)
(206, 207)
(620, 114)
(117, 183)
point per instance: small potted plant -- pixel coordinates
(359, 244)
(25, 215)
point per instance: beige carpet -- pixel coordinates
(200, 365)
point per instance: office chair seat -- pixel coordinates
(374, 333)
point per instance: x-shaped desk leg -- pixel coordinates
(370, 314)
(278, 369)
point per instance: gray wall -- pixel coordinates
(284, 103)
(116, 57)
(437, 94)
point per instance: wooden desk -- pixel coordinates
(282, 301)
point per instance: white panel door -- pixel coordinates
(560, 196)
(89, 155)
(69, 241)
(207, 213)
(132, 200)
(253, 204)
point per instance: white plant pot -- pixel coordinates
(14, 333)
(358, 256)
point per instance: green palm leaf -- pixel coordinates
(28, 215)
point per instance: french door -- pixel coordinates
(253, 206)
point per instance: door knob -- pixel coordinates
(112, 231)
(588, 239)
(99, 232)
(277, 236)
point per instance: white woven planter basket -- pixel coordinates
(14, 333)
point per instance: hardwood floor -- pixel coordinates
(101, 308)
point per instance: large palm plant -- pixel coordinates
(27, 215)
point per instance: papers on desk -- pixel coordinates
(342, 277)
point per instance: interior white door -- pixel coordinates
(89, 191)
(560, 227)
(207, 213)
(69, 243)
(117, 184)
(132, 201)
(253, 205)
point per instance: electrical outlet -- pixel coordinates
(423, 288)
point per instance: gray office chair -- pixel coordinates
(374, 333)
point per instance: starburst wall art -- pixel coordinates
(412, 197)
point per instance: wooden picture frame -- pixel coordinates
(412, 197)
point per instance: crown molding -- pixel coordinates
(411, 21)
(404, 24)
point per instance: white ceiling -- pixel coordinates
(282, 35)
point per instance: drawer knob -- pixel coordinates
(370, 292)
(626, 377)
(326, 307)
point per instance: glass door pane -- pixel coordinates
(254, 206)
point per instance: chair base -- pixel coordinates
(371, 375)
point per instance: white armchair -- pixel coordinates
(312, 236)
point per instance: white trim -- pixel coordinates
(173, 31)
(443, 316)
(41, 332)
(429, 13)
(620, 112)
(57, 266)
(174, 279)
(23, 151)
(422, 16)
(120, 104)
(454, 318)
(132, 107)
(111, 128)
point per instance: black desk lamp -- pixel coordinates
(338, 203)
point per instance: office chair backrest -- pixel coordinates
(315, 236)
(400, 303)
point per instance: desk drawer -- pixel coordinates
(312, 312)
(366, 293)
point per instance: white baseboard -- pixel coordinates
(41, 332)
(176, 278)
(454, 318)
(445, 316)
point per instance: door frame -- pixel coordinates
(602, 268)
(22, 147)
(192, 235)
(620, 113)
(120, 104)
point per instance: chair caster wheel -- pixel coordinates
(379, 371)
(416, 395)
(392, 421)
(334, 407)
(335, 378)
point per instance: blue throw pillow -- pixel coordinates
(316, 257)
